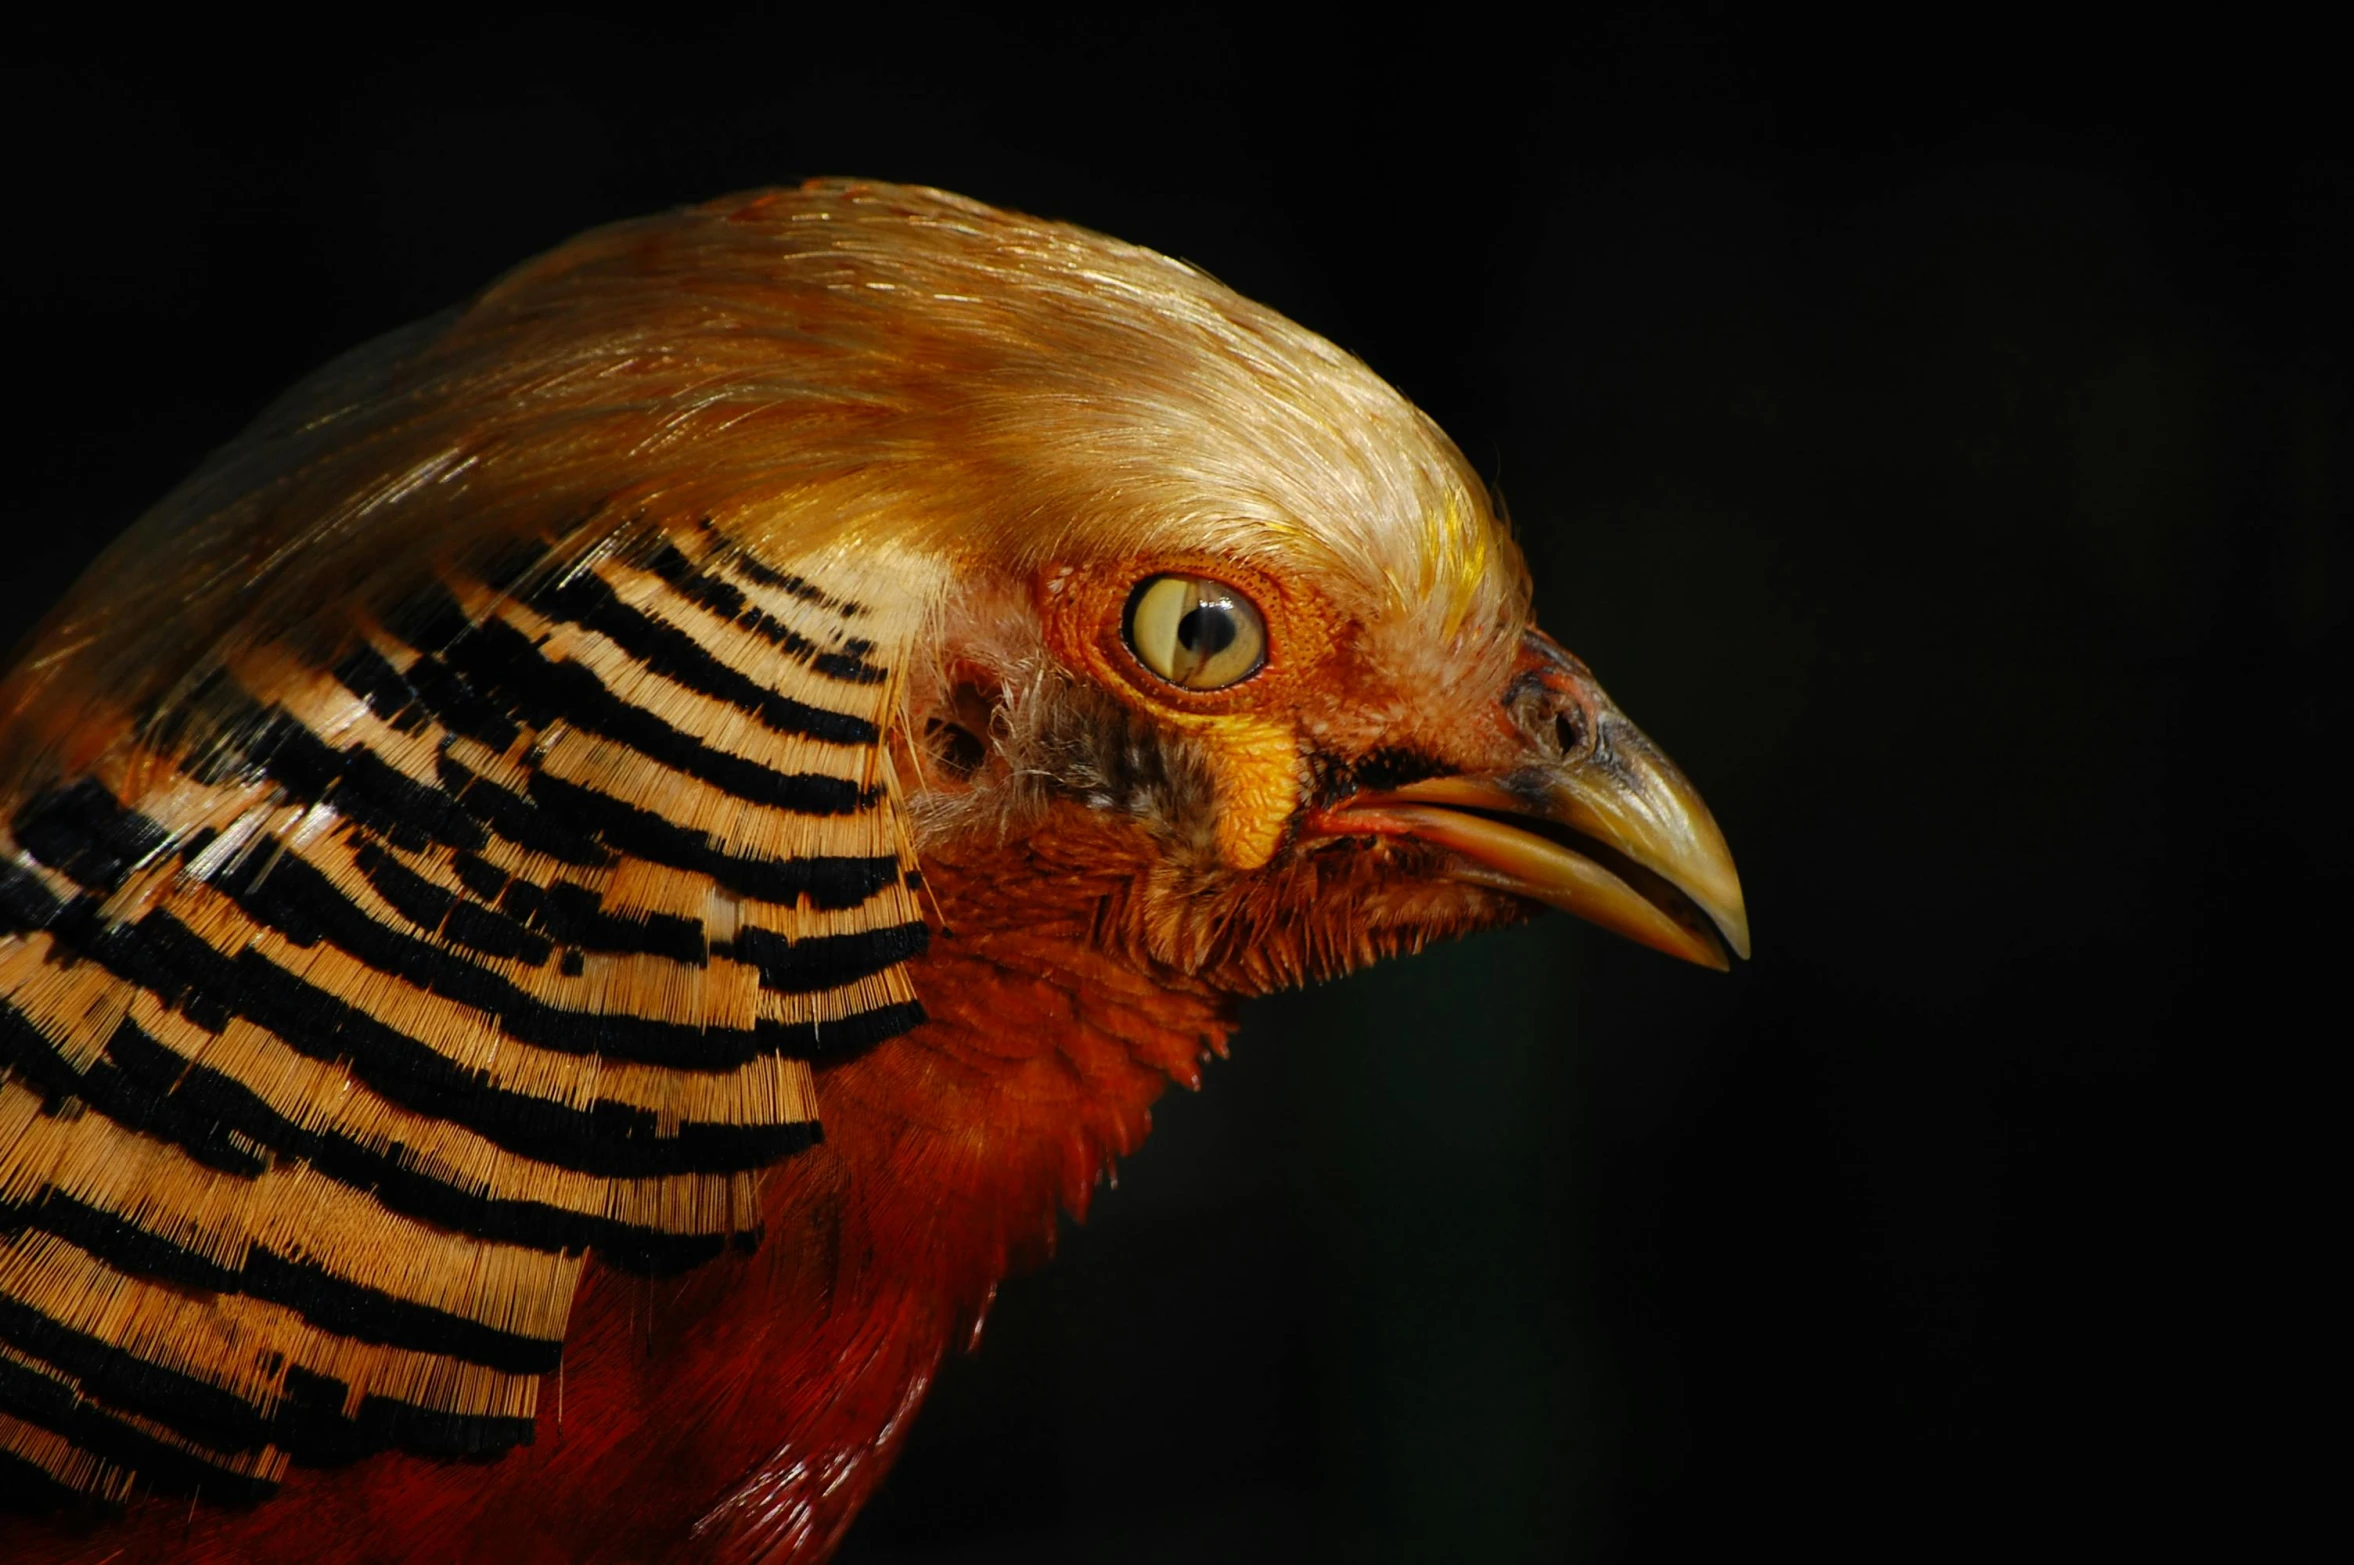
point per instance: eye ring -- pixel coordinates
(1195, 632)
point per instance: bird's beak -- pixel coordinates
(1613, 833)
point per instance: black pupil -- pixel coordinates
(1207, 629)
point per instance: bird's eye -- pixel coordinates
(1195, 633)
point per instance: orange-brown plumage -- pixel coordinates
(532, 781)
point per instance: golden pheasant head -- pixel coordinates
(1205, 588)
(846, 653)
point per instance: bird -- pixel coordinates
(576, 898)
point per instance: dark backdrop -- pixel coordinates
(1934, 431)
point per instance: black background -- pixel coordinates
(1933, 429)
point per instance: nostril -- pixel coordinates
(1569, 730)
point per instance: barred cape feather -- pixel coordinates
(419, 869)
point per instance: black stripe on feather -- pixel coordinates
(609, 1139)
(759, 572)
(141, 1084)
(587, 601)
(728, 602)
(827, 882)
(826, 961)
(335, 1304)
(311, 1427)
(59, 1406)
(284, 892)
(491, 682)
(308, 1422)
(203, 1412)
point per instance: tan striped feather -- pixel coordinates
(386, 932)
